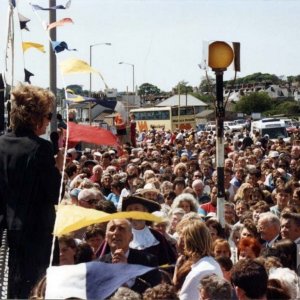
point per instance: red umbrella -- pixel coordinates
(89, 134)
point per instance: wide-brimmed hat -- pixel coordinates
(150, 205)
(148, 187)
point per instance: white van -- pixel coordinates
(274, 127)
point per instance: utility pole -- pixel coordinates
(52, 64)
(2, 125)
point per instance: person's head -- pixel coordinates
(288, 278)
(175, 216)
(125, 293)
(88, 198)
(180, 169)
(197, 240)
(185, 201)
(213, 195)
(198, 186)
(258, 208)
(248, 248)
(119, 234)
(283, 196)
(215, 228)
(164, 224)
(31, 109)
(97, 171)
(240, 207)
(84, 253)
(250, 279)
(213, 287)
(137, 203)
(221, 247)
(94, 236)
(268, 226)
(276, 290)
(235, 234)
(296, 197)
(226, 266)
(290, 226)
(106, 180)
(67, 250)
(248, 229)
(161, 291)
(178, 185)
(286, 251)
(229, 213)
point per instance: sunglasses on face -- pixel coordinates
(49, 116)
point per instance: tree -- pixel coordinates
(183, 88)
(207, 85)
(255, 102)
(287, 108)
(147, 89)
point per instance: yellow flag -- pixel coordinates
(27, 45)
(73, 66)
(70, 218)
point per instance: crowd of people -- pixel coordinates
(173, 176)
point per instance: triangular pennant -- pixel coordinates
(23, 22)
(27, 76)
(73, 66)
(27, 45)
(60, 46)
(38, 7)
(59, 23)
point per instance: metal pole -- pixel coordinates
(220, 115)
(90, 92)
(133, 84)
(52, 62)
(2, 126)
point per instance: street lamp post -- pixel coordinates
(125, 63)
(90, 91)
(220, 57)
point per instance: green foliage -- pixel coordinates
(183, 88)
(258, 78)
(147, 89)
(255, 102)
(207, 85)
(287, 108)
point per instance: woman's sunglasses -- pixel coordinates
(49, 116)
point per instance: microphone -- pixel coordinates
(54, 137)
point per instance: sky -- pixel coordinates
(163, 39)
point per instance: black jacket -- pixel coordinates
(29, 189)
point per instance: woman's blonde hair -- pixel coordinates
(30, 104)
(197, 239)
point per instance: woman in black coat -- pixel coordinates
(29, 188)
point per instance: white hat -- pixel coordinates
(97, 154)
(148, 187)
(273, 154)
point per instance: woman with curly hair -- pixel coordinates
(29, 187)
(187, 202)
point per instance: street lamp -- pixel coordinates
(90, 91)
(125, 63)
(220, 56)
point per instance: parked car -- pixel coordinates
(233, 127)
